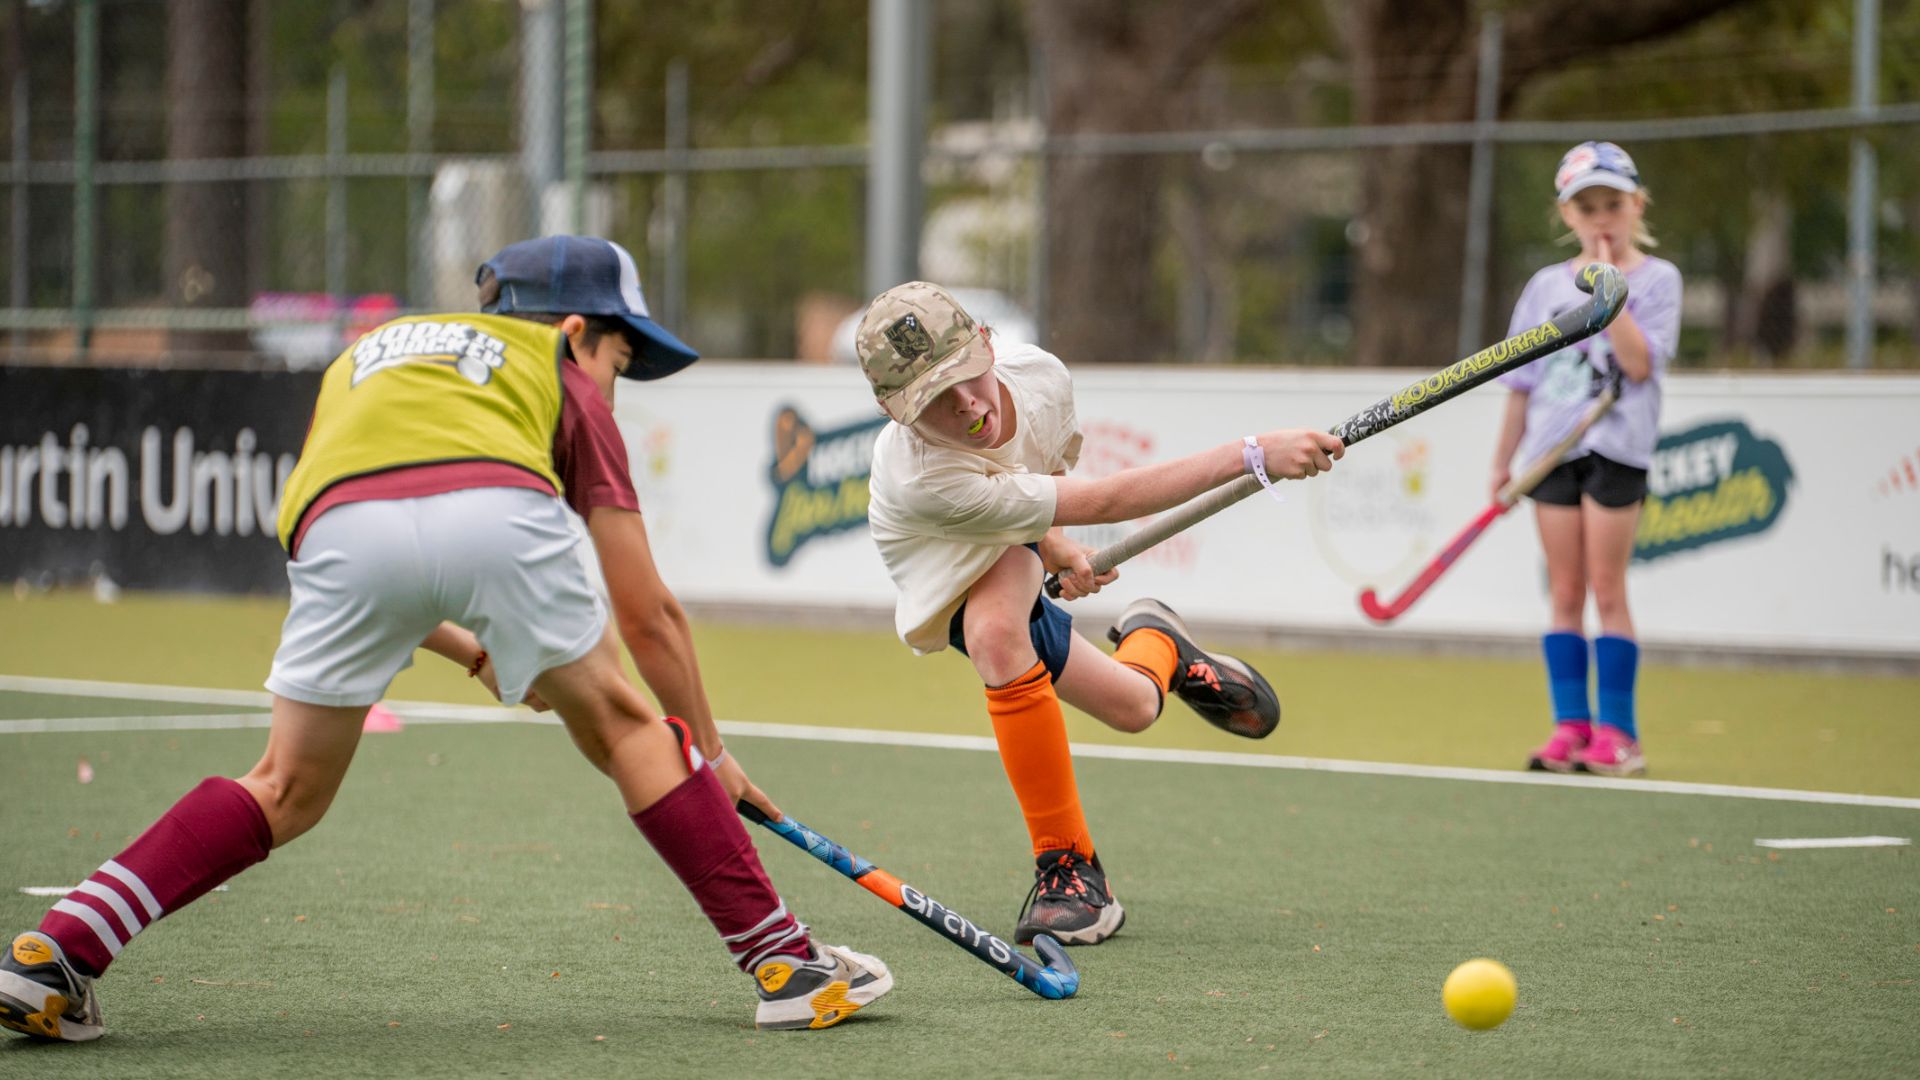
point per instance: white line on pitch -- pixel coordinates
(1834, 842)
(1333, 765)
(204, 722)
(425, 711)
(31, 684)
(412, 714)
(433, 712)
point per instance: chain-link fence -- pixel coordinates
(249, 182)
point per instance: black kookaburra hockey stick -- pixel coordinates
(1609, 288)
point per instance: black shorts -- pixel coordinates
(1605, 481)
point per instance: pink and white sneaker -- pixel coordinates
(1562, 752)
(1612, 753)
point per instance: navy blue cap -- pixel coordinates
(584, 275)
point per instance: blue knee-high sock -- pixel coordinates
(1567, 676)
(1618, 662)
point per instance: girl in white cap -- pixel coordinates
(1588, 508)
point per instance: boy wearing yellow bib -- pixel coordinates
(427, 508)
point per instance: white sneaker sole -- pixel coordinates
(823, 1008)
(32, 1009)
(1112, 917)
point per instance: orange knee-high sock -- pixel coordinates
(1033, 747)
(1151, 653)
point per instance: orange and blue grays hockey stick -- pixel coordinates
(1055, 980)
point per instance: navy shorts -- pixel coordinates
(1048, 624)
(1605, 481)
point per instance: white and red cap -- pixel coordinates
(1595, 164)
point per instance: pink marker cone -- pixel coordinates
(379, 718)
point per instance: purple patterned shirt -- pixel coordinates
(1559, 386)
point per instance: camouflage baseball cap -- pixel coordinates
(915, 341)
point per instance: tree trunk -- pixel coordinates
(259, 208)
(206, 253)
(1913, 280)
(1415, 61)
(1208, 302)
(1113, 69)
(1413, 223)
(1412, 63)
(1758, 327)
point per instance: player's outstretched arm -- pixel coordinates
(1291, 454)
(654, 628)
(458, 644)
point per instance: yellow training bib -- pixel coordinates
(431, 389)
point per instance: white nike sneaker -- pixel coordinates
(42, 995)
(819, 993)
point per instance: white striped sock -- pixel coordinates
(95, 922)
(758, 928)
(132, 881)
(775, 947)
(113, 900)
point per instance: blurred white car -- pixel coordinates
(989, 306)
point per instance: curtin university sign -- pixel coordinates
(158, 479)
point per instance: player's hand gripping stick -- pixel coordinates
(1057, 979)
(1609, 295)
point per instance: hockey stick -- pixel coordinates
(1609, 289)
(1503, 501)
(1058, 979)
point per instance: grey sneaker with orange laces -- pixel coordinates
(1224, 690)
(1070, 900)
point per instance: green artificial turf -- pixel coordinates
(478, 905)
(1281, 922)
(1769, 728)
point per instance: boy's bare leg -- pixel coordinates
(677, 802)
(614, 726)
(1226, 691)
(1118, 696)
(1070, 898)
(214, 832)
(1027, 722)
(308, 750)
(998, 605)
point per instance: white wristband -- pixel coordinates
(716, 759)
(1256, 460)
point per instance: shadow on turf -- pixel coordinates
(203, 1039)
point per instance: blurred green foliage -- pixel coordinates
(1267, 232)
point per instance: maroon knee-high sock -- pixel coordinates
(211, 834)
(695, 829)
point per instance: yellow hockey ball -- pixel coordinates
(1479, 994)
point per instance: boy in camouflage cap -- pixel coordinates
(970, 494)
